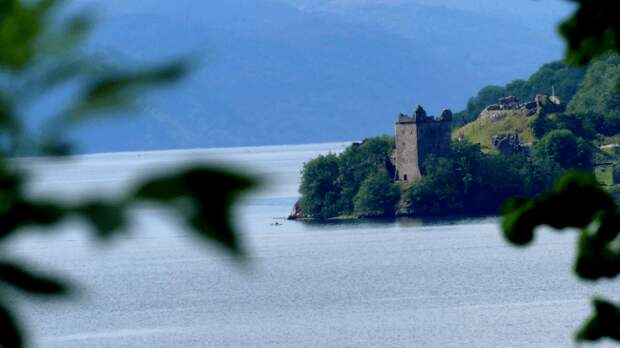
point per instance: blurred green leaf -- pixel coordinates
(592, 30)
(20, 26)
(40, 55)
(106, 218)
(519, 221)
(55, 147)
(575, 201)
(27, 281)
(10, 335)
(68, 37)
(204, 198)
(7, 117)
(118, 91)
(604, 323)
(22, 213)
(595, 258)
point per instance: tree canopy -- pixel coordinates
(470, 182)
(378, 196)
(330, 183)
(562, 146)
(360, 181)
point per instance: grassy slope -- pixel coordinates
(482, 131)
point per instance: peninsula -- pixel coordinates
(468, 163)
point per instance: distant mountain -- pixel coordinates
(495, 38)
(275, 72)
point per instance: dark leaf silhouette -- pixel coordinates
(604, 323)
(10, 334)
(203, 197)
(40, 52)
(576, 202)
(113, 92)
(593, 30)
(106, 218)
(27, 281)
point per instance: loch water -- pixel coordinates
(404, 283)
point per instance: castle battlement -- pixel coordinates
(417, 137)
(420, 116)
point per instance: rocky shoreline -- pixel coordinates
(298, 215)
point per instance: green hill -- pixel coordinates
(482, 131)
(558, 78)
(590, 105)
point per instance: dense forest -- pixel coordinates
(469, 180)
(359, 182)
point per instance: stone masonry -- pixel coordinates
(512, 106)
(417, 137)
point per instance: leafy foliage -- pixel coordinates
(588, 126)
(202, 196)
(359, 181)
(574, 202)
(604, 323)
(598, 95)
(38, 56)
(563, 78)
(357, 162)
(470, 182)
(378, 195)
(319, 188)
(597, 92)
(591, 31)
(584, 90)
(331, 183)
(577, 200)
(562, 146)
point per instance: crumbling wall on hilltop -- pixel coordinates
(511, 105)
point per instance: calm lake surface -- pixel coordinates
(408, 283)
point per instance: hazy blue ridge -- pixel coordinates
(272, 73)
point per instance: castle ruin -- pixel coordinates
(417, 137)
(511, 105)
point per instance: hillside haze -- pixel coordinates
(279, 72)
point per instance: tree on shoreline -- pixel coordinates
(378, 196)
(465, 181)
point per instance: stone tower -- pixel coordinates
(417, 137)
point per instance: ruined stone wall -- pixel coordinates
(433, 138)
(509, 106)
(406, 142)
(417, 137)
